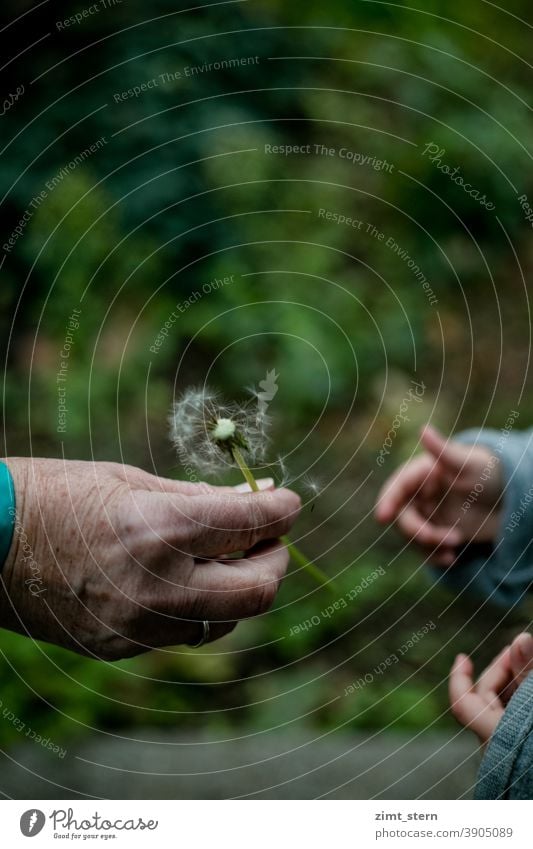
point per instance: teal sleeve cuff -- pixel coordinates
(7, 512)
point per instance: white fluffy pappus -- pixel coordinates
(203, 426)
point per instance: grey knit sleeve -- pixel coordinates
(506, 770)
(504, 573)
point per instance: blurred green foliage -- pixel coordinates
(182, 193)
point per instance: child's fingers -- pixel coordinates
(417, 527)
(520, 663)
(468, 707)
(432, 485)
(496, 676)
(443, 556)
(461, 687)
(400, 487)
(449, 453)
(521, 656)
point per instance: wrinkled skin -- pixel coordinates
(110, 561)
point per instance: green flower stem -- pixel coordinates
(299, 558)
(243, 466)
(311, 569)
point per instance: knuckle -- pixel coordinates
(258, 515)
(128, 517)
(252, 522)
(196, 604)
(262, 597)
(195, 530)
(217, 514)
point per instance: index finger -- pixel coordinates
(238, 589)
(496, 676)
(469, 708)
(399, 488)
(231, 522)
(461, 686)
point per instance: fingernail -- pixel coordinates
(262, 483)
(265, 483)
(242, 487)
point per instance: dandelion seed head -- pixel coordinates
(202, 426)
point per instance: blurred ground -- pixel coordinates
(264, 766)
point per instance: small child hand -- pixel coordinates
(480, 705)
(426, 497)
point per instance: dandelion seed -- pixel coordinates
(313, 486)
(284, 478)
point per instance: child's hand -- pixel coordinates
(480, 706)
(427, 497)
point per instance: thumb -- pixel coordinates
(449, 454)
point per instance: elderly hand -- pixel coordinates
(480, 706)
(110, 561)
